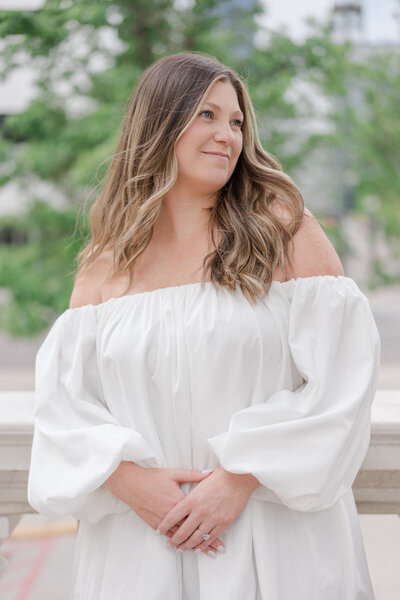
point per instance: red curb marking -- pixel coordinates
(45, 545)
(24, 572)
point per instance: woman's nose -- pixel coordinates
(223, 133)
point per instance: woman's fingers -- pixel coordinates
(172, 530)
(217, 545)
(196, 540)
(190, 475)
(214, 543)
(188, 537)
(187, 530)
(177, 513)
(151, 515)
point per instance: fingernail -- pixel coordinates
(206, 471)
(197, 550)
(221, 549)
(179, 550)
(211, 553)
(158, 532)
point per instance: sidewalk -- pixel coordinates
(40, 554)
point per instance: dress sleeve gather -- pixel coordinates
(77, 443)
(307, 445)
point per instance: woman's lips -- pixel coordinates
(220, 155)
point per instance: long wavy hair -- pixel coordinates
(254, 241)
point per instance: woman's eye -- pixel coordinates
(209, 115)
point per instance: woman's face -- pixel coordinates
(208, 150)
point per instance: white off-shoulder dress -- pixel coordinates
(195, 376)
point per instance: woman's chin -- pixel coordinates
(216, 182)
(208, 183)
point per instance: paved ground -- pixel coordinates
(40, 567)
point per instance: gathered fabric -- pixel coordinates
(193, 377)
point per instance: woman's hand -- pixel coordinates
(213, 505)
(152, 493)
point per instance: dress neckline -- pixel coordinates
(169, 288)
(186, 286)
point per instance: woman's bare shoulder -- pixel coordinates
(310, 251)
(89, 281)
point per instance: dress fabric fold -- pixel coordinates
(195, 376)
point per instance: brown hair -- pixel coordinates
(144, 167)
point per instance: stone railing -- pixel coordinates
(376, 487)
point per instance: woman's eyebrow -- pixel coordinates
(217, 106)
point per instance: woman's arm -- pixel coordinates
(89, 282)
(310, 251)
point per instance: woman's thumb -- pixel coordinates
(191, 474)
(207, 471)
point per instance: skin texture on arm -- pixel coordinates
(310, 251)
(88, 283)
(151, 493)
(217, 502)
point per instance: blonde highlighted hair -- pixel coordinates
(254, 240)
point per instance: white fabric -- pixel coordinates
(193, 377)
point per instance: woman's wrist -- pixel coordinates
(118, 477)
(243, 479)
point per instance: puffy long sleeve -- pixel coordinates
(77, 442)
(307, 445)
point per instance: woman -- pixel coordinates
(203, 406)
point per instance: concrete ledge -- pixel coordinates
(376, 487)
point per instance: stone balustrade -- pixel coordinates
(376, 487)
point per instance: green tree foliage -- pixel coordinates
(373, 139)
(90, 53)
(88, 56)
(38, 272)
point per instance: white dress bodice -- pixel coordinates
(195, 376)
